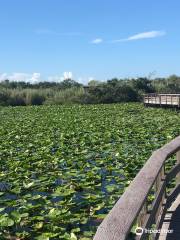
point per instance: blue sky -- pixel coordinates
(100, 39)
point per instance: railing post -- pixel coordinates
(178, 162)
(142, 215)
(158, 184)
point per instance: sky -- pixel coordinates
(88, 39)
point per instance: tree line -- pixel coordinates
(69, 91)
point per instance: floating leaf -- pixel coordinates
(6, 221)
(73, 236)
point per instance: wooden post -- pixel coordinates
(158, 183)
(178, 162)
(142, 215)
(157, 187)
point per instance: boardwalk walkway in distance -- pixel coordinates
(171, 221)
(162, 100)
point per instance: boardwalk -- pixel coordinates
(133, 207)
(163, 100)
(172, 222)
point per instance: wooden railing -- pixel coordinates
(162, 99)
(133, 208)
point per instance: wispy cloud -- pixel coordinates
(143, 35)
(67, 75)
(97, 41)
(37, 77)
(56, 33)
(33, 77)
(58, 78)
(25, 77)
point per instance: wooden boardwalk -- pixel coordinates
(133, 207)
(162, 100)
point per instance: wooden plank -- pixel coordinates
(168, 202)
(172, 221)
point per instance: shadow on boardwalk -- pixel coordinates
(172, 221)
(175, 225)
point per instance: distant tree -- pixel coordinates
(69, 91)
(143, 84)
(112, 82)
(4, 97)
(94, 83)
(174, 79)
(68, 83)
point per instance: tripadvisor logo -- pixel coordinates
(139, 231)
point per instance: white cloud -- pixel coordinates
(36, 77)
(80, 79)
(59, 78)
(67, 75)
(143, 35)
(85, 79)
(55, 78)
(18, 77)
(3, 77)
(97, 41)
(90, 79)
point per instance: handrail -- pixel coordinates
(162, 94)
(162, 99)
(132, 205)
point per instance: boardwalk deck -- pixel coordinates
(163, 100)
(171, 222)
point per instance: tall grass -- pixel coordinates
(67, 96)
(23, 97)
